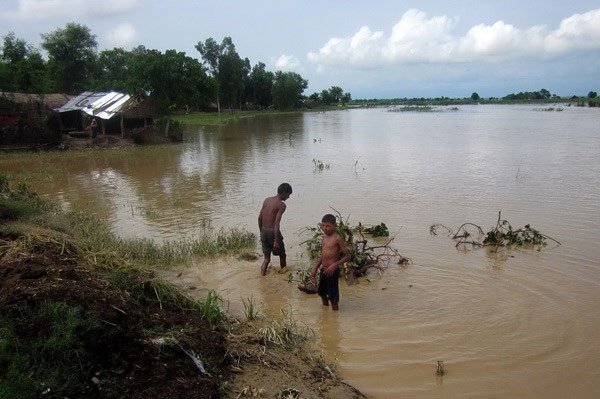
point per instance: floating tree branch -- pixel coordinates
(502, 235)
(363, 255)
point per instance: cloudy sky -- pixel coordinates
(383, 48)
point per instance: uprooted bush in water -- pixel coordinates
(502, 235)
(363, 255)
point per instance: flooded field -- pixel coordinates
(516, 323)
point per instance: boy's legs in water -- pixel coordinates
(263, 267)
(322, 289)
(282, 261)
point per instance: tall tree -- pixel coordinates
(260, 85)
(113, 70)
(226, 66)
(23, 68)
(71, 56)
(173, 79)
(287, 89)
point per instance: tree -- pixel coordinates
(545, 94)
(71, 56)
(592, 94)
(335, 95)
(23, 68)
(113, 70)
(475, 97)
(13, 49)
(346, 98)
(287, 89)
(260, 85)
(232, 72)
(173, 79)
(326, 97)
(226, 66)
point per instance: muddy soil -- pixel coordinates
(123, 357)
(120, 358)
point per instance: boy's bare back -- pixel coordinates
(272, 207)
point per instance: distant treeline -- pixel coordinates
(541, 96)
(175, 80)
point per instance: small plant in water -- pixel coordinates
(250, 309)
(211, 309)
(319, 165)
(502, 235)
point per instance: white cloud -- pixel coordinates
(419, 39)
(122, 36)
(47, 9)
(287, 63)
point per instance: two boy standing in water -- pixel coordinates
(332, 246)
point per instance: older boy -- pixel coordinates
(269, 219)
(330, 260)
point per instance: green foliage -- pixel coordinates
(286, 332)
(49, 357)
(504, 235)
(227, 67)
(71, 56)
(475, 97)
(362, 255)
(260, 84)
(287, 90)
(22, 68)
(18, 203)
(592, 94)
(210, 308)
(379, 230)
(535, 95)
(250, 309)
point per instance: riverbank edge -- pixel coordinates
(134, 334)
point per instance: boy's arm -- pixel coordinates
(277, 233)
(345, 257)
(313, 272)
(260, 216)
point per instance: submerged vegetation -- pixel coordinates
(502, 235)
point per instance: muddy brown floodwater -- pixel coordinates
(516, 323)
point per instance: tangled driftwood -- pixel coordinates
(502, 235)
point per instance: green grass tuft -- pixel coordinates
(49, 358)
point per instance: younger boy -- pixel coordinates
(332, 247)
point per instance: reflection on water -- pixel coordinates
(508, 324)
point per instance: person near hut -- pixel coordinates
(94, 127)
(269, 220)
(329, 261)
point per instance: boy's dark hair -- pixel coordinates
(329, 218)
(284, 188)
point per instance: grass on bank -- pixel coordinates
(49, 360)
(225, 117)
(53, 357)
(286, 332)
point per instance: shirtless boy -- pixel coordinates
(332, 247)
(269, 219)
